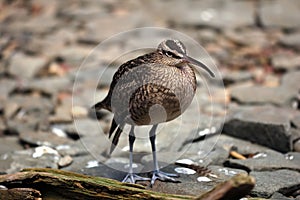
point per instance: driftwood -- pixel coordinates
(47, 183)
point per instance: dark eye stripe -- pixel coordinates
(172, 45)
(169, 53)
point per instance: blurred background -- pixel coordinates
(254, 43)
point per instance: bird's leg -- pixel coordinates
(131, 177)
(157, 174)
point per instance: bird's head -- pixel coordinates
(175, 53)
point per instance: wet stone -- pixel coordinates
(263, 161)
(283, 181)
(24, 66)
(247, 124)
(273, 14)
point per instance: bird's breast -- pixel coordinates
(153, 94)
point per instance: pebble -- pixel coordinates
(65, 161)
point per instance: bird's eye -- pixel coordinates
(170, 54)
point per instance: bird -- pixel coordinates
(153, 88)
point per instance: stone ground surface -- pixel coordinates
(255, 44)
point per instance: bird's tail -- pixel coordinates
(101, 105)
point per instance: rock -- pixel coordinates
(264, 161)
(296, 146)
(290, 82)
(9, 144)
(230, 77)
(79, 112)
(212, 13)
(31, 104)
(285, 62)
(104, 171)
(65, 161)
(10, 109)
(24, 66)
(43, 138)
(294, 157)
(62, 114)
(258, 124)
(248, 37)
(6, 87)
(291, 40)
(262, 95)
(283, 181)
(225, 173)
(15, 161)
(49, 85)
(74, 55)
(296, 121)
(274, 14)
(279, 196)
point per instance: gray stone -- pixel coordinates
(290, 81)
(43, 138)
(10, 109)
(285, 61)
(269, 182)
(262, 95)
(24, 66)
(296, 121)
(18, 160)
(49, 85)
(244, 147)
(291, 40)
(261, 123)
(274, 14)
(248, 37)
(215, 13)
(9, 144)
(264, 161)
(33, 105)
(224, 173)
(6, 87)
(230, 77)
(279, 196)
(74, 55)
(294, 157)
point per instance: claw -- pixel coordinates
(163, 176)
(132, 178)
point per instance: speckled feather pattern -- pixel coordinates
(148, 80)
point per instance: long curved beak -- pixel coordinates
(200, 64)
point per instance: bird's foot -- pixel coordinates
(163, 176)
(132, 178)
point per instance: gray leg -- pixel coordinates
(157, 174)
(131, 177)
